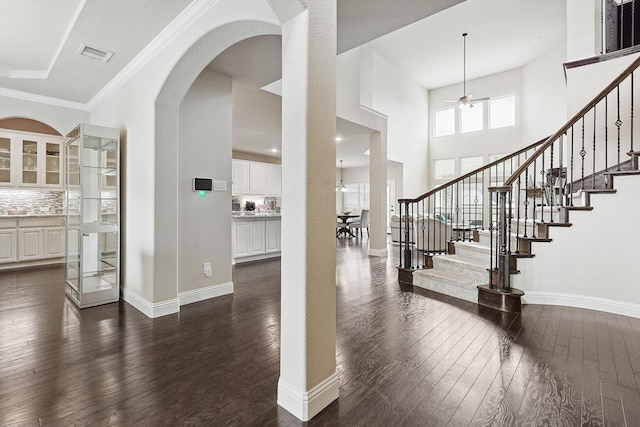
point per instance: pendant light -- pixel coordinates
(341, 187)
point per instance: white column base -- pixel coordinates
(306, 404)
(378, 252)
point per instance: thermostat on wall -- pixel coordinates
(202, 184)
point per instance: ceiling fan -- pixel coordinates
(466, 100)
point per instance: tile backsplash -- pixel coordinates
(34, 201)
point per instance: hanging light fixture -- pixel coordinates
(341, 187)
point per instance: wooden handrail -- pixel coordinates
(472, 173)
(599, 97)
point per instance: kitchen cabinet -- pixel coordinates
(255, 237)
(53, 242)
(272, 236)
(255, 178)
(92, 273)
(31, 240)
(30, 160)
(240, 177)
(274, 180)
(8, 245)
(30, 244)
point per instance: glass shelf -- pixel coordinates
(93, 212)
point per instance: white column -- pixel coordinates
(378, 193)
(308, 380)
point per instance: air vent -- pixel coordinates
(94, 53)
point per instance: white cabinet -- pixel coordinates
(255, 178)
(54, 239)
(31, 240)
(272, 236)
(8, 245)
(30, 160)
(274, 180)
(30, 244)
(255, 238)
(240, 177)
(241, 232)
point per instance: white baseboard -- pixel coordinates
(201, 294)
(150, 309)
(378, 252)
(582, 301)
(306, 404)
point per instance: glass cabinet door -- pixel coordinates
(29, 162)
(53, 165)
(92, 155)
(5, 160)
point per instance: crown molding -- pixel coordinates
(188, 16)
(26, 96)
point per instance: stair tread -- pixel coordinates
(480, 247)
(458, 259)
(600, 190)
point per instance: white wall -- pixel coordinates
(590, 264)
(204, 221)
(406, 104)
(544, 94)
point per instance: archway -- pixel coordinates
(167, 153)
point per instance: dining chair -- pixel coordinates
(362, 222)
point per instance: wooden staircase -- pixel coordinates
(463, 273)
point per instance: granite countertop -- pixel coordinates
(254, 214)
(32, 215)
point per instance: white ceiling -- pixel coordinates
(39, 40)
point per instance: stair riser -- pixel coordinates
(443, 287)
(475, 273)
(486, 240)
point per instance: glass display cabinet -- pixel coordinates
(92, 273)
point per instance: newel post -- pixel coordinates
(406, 232)
(504, 273)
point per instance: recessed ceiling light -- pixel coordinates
(368, 152)
(433, 70)
(536, 39)
(274, 150)
(338, 139)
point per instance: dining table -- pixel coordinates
(344, 230)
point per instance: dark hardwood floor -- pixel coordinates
(405, 358)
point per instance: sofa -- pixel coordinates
(430, 234)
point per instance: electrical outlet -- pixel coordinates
(207, 269)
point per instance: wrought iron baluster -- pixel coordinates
(571, 171)
(583, 153)
(593, 177)
(618, 124)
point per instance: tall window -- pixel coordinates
(357, 196)
(444, 169)
(502, 112)
(472, 119)
(444, 122)
(468, 164)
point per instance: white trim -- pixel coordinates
(150, 309)
(201, 294)
(188, 16)
(306, 404)
(25, 96)
(583, 301)
(378, 252)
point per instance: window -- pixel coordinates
(444, 122)
(471, 118)
(357, 196)
(468, 164)
(502, 112)
(444, 169)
